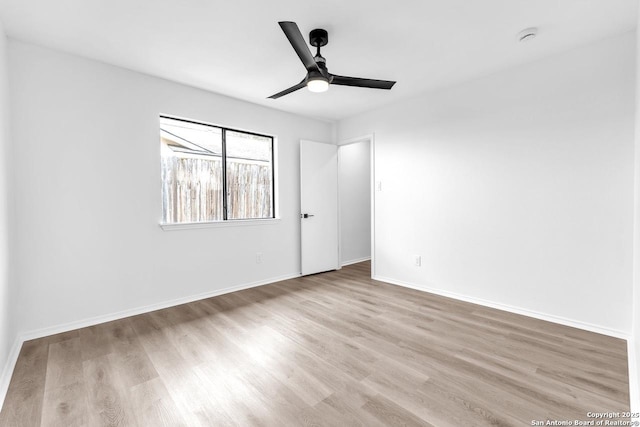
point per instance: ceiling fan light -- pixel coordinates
(318, 85)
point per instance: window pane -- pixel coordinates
(249, 176)
(191, 172)
(191, 137)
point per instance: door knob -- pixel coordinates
(306, 215)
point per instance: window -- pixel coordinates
(210, 173)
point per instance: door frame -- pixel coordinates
(371, 139)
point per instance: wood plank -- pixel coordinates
(65, 401)
(154, 406)
(23, 403)
(107, 397)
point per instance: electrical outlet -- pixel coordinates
(417, 260)
(258, 257)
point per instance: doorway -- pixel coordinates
(355, 183)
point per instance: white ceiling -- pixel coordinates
(236, 47)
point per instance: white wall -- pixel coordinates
(355, 201)
(88, 192)
(634, 362)
(515, 188)
(7, 331)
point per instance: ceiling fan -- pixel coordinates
(318, 77)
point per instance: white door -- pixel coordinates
(318, 207)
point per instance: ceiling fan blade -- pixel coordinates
(288, 91)
(292, 32)
(356, 81)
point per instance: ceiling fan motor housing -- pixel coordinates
(318, 37)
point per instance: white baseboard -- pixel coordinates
(634, 372)
(39, 333)
(511, 309)
(355, 261)
(66, 327)
(7, 371)
(634, 385)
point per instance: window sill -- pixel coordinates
(217, 224)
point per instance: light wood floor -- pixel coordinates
(331, 349)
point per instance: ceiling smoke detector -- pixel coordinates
(527, 34)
